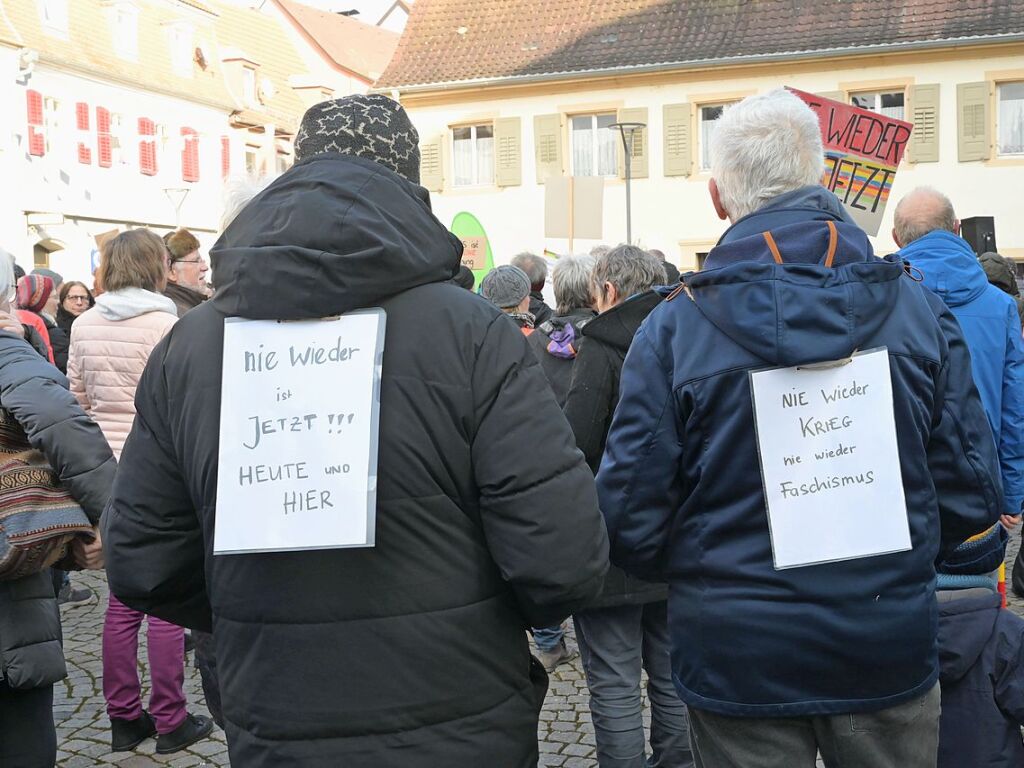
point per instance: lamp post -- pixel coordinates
(628, 132)
(177, 197)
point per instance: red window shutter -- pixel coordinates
(82, 123)
(36, 132)
(190, 155)
(103, 147)
(147, 147)
(225, 156)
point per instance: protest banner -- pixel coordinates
(477, 254)
(826, 436)
(862, 152)
(298, 433)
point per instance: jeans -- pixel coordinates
(904, 736)
(121, 686)
(28, 738)
(548, 638)
(615, 643)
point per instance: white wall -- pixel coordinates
(95, 199)
(673, 213)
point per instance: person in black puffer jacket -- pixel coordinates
(31, 655)
(628, 624)
(412, 653)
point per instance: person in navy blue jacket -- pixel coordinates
(777, 665)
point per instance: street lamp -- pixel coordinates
(628, 132)
(177, 197)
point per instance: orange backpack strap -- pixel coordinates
(833, 243)
(772, 246)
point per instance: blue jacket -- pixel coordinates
(991, 325)
(981, 653)
(680, 484)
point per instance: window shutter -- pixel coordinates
(678, 122)
(834, 95)
(547, 140)
(508, 171)
(225, 156)
(974, 136)
(82, 124)
(640, 150)
(103, 149)
(36, 132)
(190, 155)
(924, 106)
(432, 164)
(147, 147)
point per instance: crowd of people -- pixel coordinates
(596, 460)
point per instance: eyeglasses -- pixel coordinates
(188, 261)
(76, 298)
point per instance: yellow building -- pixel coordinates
(507, 95)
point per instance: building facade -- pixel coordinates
(505, 101)
(127, 113)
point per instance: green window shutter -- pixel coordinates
(924, 110)
(508, 143)
(638, 169)
(678, 148)
(974, 122)
(547, 140)
(432, 164)
(834, 95)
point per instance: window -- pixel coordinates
(473, 155)
(1010, 118)
(249, 85)
(252, 160)
(51, 108)
(181, 49)
(708, 117)
(126, 31)
(888, 103)
(284, 162)
(147, 147)
(593, 145)
(54, 16)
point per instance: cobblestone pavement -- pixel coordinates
(566, 735)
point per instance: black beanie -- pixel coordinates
(371, 126)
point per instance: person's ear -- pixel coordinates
(956, 227)
(716, 200)
(611, 295)
(896, 238)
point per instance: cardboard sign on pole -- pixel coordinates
(574, 208)
(476, 254)
(862, 152)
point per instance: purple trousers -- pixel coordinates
(121, 687)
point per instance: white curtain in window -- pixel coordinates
(606, 139)
(462, 156)
(1011, 119)
(484, 154)
(582, 146)
(709, 117)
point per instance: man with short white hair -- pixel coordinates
(837, 657)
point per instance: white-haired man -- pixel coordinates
(777, 665)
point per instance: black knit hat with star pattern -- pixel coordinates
(366, 125)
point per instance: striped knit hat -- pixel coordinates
(33, 291)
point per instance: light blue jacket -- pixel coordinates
(991, 326)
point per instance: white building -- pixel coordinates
(505, 99)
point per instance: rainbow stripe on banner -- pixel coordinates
(858, 182)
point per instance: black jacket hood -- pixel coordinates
(617, 326)
(965, 626)
(333, 234)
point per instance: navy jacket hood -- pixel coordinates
(965, 626)
(811, 203)
(333, 234)
(799, 311)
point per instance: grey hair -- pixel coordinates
(534, 266)
(763, 147)
(570, 279)
(238, 193)
(7, 281)
(599, 250)
(922, 219)
(630, 269)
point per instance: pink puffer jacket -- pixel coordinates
(110, 345)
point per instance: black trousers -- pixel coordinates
(28, 738)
